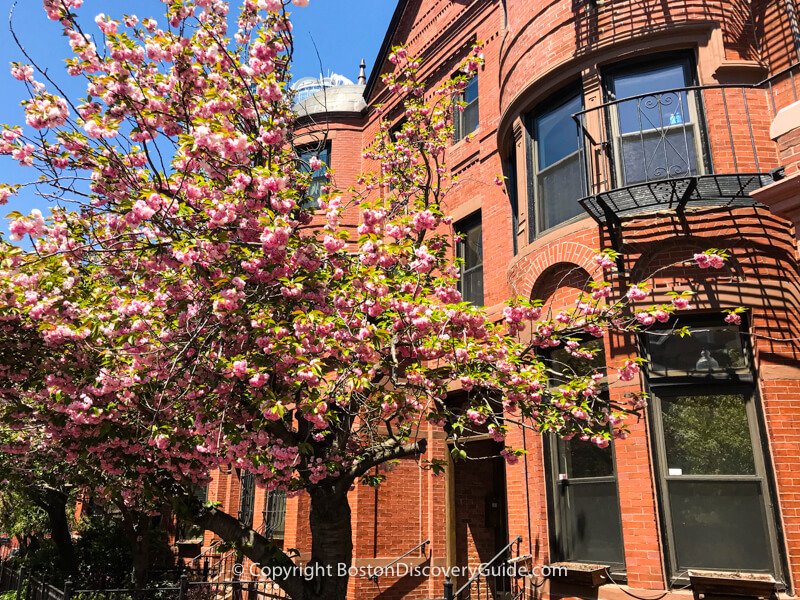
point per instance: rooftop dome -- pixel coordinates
(334, 93)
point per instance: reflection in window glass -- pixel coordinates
(466, 120)
(707, 435)
(719, 525)
(470, 250)
(653, 111)
(583, 459)
(559, 178)
(318, 177)
(708, 350)
(656, 134)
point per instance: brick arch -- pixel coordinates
(560, 283)
(524, 275)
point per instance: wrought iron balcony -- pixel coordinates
(676, 148)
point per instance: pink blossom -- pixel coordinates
(32, 225)
(424, 220)
(22, 72)
(603, 261)
(636, 293)
(733, 319)
(628, 371)
(681, 302)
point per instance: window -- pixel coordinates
(466, 116)
(558, 179)
(656, 131)
(318, 177)
(275, 515)
(247, 498)
(586, 524)
(470, 250)
(713, 482)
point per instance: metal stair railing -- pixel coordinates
(483, 592)
(421, 546)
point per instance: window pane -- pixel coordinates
(663, 154)
(719, 525)
(556, 132)
(470, 249)
(469, 118)
(707, 435)
(471, 91)
(583, 459)
(318, 177)
(471, 246)
(560, 188)
(649, 78)
(472, 286)
(593, 521)
(712, 349)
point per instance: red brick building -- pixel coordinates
(658, 128)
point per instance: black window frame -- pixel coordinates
(459, 116)
(535, 207)
(735, 382)
(463, 226)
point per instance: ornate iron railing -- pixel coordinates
(695, 145)
(247, 498)
(275, 514)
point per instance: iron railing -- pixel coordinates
(702, 145)
(30, 587)
(667, 149)
(387, 568)
(491, 580)
(275, 514)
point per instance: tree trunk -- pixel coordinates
(141, 560)
(331, 546)
(137, 527)
(55, 504)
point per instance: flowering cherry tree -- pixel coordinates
(183, 309)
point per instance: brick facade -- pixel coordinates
(534, 48)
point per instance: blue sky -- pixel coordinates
(344, 31)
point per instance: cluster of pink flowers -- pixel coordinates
(709, 259)
(32, 225)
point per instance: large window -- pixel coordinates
(318, 177)
(466, 117)
(711, 468)
(585, 520)
(470, 250)
(656, 131)
(558, 176)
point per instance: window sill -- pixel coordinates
(726, 583)
(583, 574)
